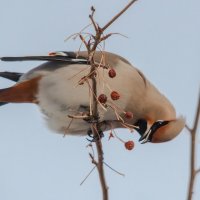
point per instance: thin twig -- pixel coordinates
(92, 19)
(76, 34)
(90, 145)
(85, 116)
(88, 175)
(188, 128)
(193, 171)
(83, 40)
(197, 171)
(121, 174)
(93, 159)
(78, 73)
(96, 96)
(65, 130)
(118, 15)
(111, 34)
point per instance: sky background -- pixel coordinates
(163, 42)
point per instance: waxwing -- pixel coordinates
(56, 87)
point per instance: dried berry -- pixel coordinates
(129, 115)
(112, 73)
(114, 95)
(102, 98)
(129, 145)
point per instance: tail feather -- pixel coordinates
(67, 58)
(2, 103)
(24, 92)
(13, 76)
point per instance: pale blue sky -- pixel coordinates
(163, 42)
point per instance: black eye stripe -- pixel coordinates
(158, 124)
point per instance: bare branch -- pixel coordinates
(101, 170)
(91, 45)
(193, 171)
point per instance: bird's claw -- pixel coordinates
(95, 138)
(92, 119)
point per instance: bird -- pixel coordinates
(61, 88)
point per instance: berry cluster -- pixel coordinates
(114, 95)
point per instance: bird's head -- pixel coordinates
(160, 130)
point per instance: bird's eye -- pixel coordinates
(160, 122)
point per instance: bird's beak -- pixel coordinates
(144, 129)
(146, 137)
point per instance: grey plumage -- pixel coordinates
(57, 79)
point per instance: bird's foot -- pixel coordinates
(91, 119)
(96, 137)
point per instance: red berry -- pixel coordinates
(102, 98)
(112, 73)
(129, 115)
(129, 145)
(114, 95)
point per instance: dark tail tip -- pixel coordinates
(3, 103)
(13, 76)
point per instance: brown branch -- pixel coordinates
(91, 46)
(100, 168)
(193, 171)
